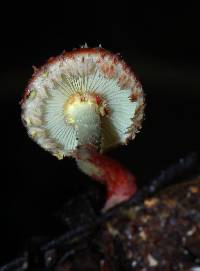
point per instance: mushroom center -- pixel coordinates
(84, 112)
(78, 101)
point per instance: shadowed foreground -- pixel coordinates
(153, 231)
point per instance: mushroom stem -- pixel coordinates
(120, 183)
(84, 114)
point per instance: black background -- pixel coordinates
(161, 44)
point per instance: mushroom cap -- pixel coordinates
(83, 71)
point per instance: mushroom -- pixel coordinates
(80, 104)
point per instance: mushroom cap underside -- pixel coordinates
(87, 72)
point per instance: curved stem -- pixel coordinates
(119, 182)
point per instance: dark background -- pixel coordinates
(161, 44)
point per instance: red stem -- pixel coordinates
(119, 182)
